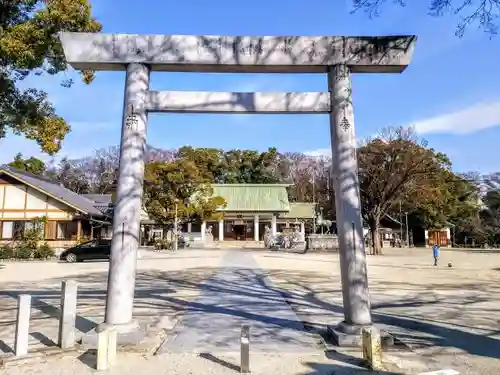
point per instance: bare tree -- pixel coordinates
(311, 179)
(96, 173)
(99, 169)
(71, 176)
(154, 154)
(484, 13)
(299, 175)
(392, 168)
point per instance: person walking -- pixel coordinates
(435, 254)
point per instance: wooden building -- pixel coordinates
(69, 216)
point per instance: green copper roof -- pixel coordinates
(299, 210)
(253, 197)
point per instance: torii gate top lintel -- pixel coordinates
(238, 54)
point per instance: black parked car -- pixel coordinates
(95, 249)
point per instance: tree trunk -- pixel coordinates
(375, 237)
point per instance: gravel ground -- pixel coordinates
(449, 316)
(165, 284)
(192, 364)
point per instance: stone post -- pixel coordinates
(372, 348)
(22, 325)
(128, 205)
(190, 227)
(355, 292)
(67, 318)
(303, 228)
(256, 236)
(221, 230)
(106, 347)
(273, 225)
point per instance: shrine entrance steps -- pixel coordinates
(236, 245)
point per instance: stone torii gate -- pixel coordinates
(337, 56)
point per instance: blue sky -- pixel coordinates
(448, 93)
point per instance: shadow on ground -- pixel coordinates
(210, 357)
(435, 315)
(330, 365)
(334, 369)
(157, 294)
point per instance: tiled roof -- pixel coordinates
(103, 202)
(99, 199)
(300, 210)
(253, 197)
(53, 189)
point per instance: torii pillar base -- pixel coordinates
(131, 334)
(346, 335)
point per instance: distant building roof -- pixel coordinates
(103, 202)
(300, 210)
(253, 197)
(393, 219)
(98, 198)
(53, 190)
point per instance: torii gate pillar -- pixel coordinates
(353, 272)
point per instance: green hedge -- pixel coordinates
(7, 252)
(164, 245)
(20, 252)
(44, 251)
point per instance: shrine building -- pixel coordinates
(250, 208)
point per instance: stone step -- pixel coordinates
(236, 244)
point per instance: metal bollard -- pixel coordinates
(245, 349)
(22, 325)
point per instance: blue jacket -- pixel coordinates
(435, 250)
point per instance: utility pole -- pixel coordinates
(322, 220)
(314, 200)
(400, 224)
(175, 227)
(407, 236)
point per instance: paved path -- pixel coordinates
(236, 294)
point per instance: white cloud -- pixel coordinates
(465, 121)
(319, 152)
